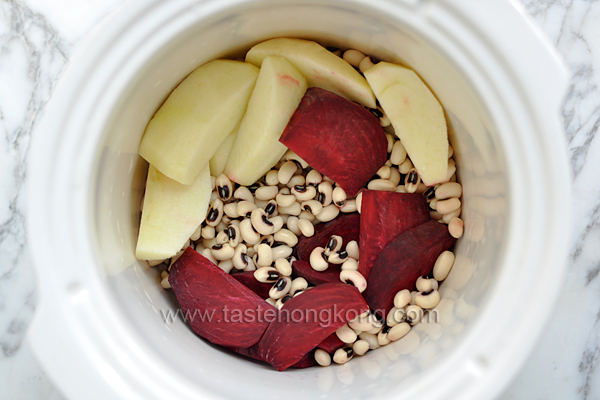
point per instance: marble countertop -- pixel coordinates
(36, 39)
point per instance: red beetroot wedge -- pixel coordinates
(306, 320)
(347, 226)
(407, 257)
(330, 275)
(331, 343)
(337, 137)
(385, 215)
(234, 316)
(308, 360)
(247, 279)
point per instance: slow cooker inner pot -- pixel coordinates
(121, 173)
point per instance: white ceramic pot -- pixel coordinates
(98, 329)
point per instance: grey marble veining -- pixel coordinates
(36, 39)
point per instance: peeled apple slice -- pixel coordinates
(417, 118)
(197, 117)
(171, 213)
(219, 159)
(321, 68)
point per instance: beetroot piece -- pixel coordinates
(347, 226)
(331, 343)
(337, 137)
(330, 275)
(247, 279)
(407, 257)
(306, 320)
(217, 306)
(385, 215)
(308, 360)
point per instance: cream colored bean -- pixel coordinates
(266, 192)
(222, 251)
(313, 177)
(271, 178)
(434, 284)
(381, 185)
(384, 172)
(448, 217)
(207, 253)
(329, 213)
(317, 262)
(358, 202)
(395, 316)
(423, 284)
(215, 212)
(428, 299)
(355, 278)
(297, 180)
(382, 338)
(365, 64)
(280, 288)
(384, 120)
(343, 355)
(390, 142)
(447, 206)
(240, 257)
(298, 285)
(394, 176)
(322, 358)
(388, 163)
(277, 223)
(291, 156)
(230, 210)
(267, 275)
(248, 232)
(208, 243)
(287, 170)
(398, 154)
(402, 298)
(349, 207)
(346, 334)
(226, 265)
(312, 206)
(350, 264)
(451, 171)
(400, 189)
(448, 190)
(224, 187)
(282, 251)
(165, 283)
(271, 301)
(334, 244)
(307, 215)
(412, 181)
(164, 273)
(271, 208)
(294, 209)
(398, 332)
(338, 196)
(292, 225)
(285, 200)
(222, 237)
(286, 236)
(405, 166)
(261, 222)
(243, 194)
(265, 255)
(371, 339)
(154, 263)
(443, 265)
(196, 235)
(352, 249)
(245, 208)
(337, 257)
(283, 266)
(214, 195)
(456, 227)
(360, 347)
(303, 192)
(306, 227)
(353, 57)
(414, 313)
(450, 151)
(324, 193)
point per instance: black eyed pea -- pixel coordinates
(448, 217)
(265, 255)
(400, 189)
(284, 267)
(388, 136)
(243, 194)
(295, 209)
(343, 355)
(414, 313)
(405, 166)
(434, 284)
(384, 172)
(214, 195)
(230, 210)
(307, 215)
(353, 57)
(165, 282)
(388, 163)
(233, 233)
(303, 192)
(286, 236)
(360, 347)
(346, 334)
(443, 265)
(215, 212)
(413, 294)
(349, 207)
(423, 284)
(456, 227)
(451, 170)
(248, 232)
(383, 185)
(199, 248)
(358, 201)
(281, 251)
(291, 156)
(395, 316)
(271, 178)
(226, 265)
(277, 222)
(371, 339)
(240, 257)
(222, 237)
(154, 263)
(250, 267)
(382, 336)
(325, 193)
(271, 301)
(208, 254)
(337, 257)
(384, 121)
(365, 64)
(397, 332)
(364, 322)
(428, 300)
(245, 208)
(339, 196)
(213, 180)
(312, 206)
(317, 259)
(306, 227)
(298, 285)
(412, 181)
(287, 170)
(285, 200)
(402, 298)
(292, 225)
(196, 235)
(208, 243)
(266, 192)
(267, 275)
(352, 249)
(329, 213)
(355, 278)
(313, 178)
(350, 265)
(280, 288)
(261, 222)
(208, 232)
(334, 244)
(271, 208)
(266, 239)
(447, 206)
(222, 251)
(297, 180)
(450, 151)
(224, 187)
(280, 302)
(164, 273)
(448, 190)
(322, 358)
(398, 154)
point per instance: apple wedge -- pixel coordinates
(417, 118)
(172, 212)
(197, 117)
(278, 91)
(321, 68)
(219, 159)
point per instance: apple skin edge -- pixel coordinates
(338, 138)
(407, 257)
